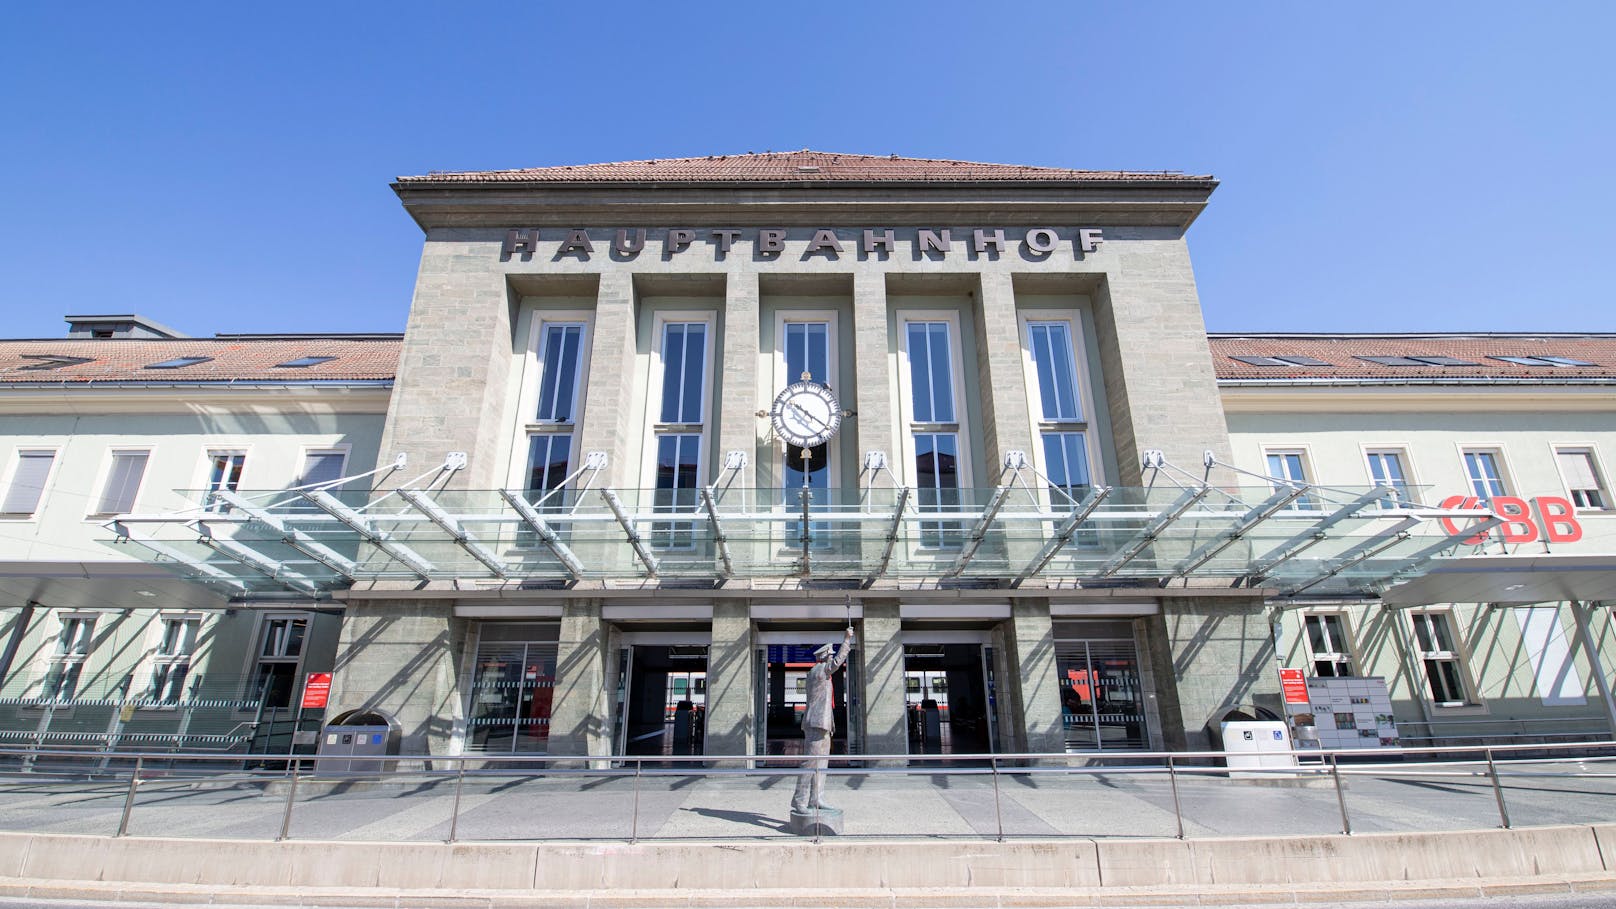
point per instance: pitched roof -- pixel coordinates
(805, 166)
(229, 359)
(1344, 355)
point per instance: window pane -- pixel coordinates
(1052, 352)
(322, 467)
(673, 355)
(560, 372)
(942, 387)
(28, 482)
(123, 482)
(920, 372)
(695, 358)
(1485, 480)
(548, 461)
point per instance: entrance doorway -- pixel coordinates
(782, 665)
(949, 698)
(661, 699)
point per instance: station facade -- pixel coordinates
(582, 511)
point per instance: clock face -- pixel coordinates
(806, 414)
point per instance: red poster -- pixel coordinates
(316, 690)
(1293, 685)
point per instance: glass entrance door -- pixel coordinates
(511, 688)
(661, 699)
(782, 690)
(1102, 698)
(946, 695)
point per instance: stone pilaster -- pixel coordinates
(1006, 424)
(1160, 388)
(882, 652)
(872, 347)
(1209, 655)
(454, 366)
(737, 405)
(608, 398)
(401, 658)
(1031, 637)
(580, 715)
(731, 723)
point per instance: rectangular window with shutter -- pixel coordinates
(27, 485)
(322, 468)
(123, 482)
(1582, 478)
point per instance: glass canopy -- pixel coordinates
(1294, 542)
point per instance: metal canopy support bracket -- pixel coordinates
(1064, 535)
(1235, 534)
(435, 513)
(980, 531)
(546, 535)
(330, 505)
(718, 532)
(255, 560)
(213, 573)
(892, 533)
(291, 536)
(616, 505)
(1364, 551)
(1314, 534)
(1185, 501)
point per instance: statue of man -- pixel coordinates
(817, 725)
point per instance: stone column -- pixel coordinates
(580, 716)
(401, 658)
(1031, 637)
(872, 353)
(1006, 423)
(1160, 388)
(608, 397)
(731, 722)
(882, 652)
(1210, 655)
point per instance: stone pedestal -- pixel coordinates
(820, 822)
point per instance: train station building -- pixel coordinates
(657, 429)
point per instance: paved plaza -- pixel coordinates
(685, 804)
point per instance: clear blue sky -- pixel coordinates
(1385, 167)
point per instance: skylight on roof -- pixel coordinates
(178, 363)
(1542, 360)
(1444, 361)
(52, 361)
(1286, 360)
(303, 362)
(1393, 361)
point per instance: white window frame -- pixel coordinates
(1305, 455)
(159, 659)
(55, 452)
(52, 654)
(255, 654)
(655, 429)
(1456, 656)
(204, 481)
(1025, 319)
(1592, 451)
(1402, 451)
(906, 399)
(1497, 451)
(345, 449)
(1348, 656)
(532, 385)
(104, 476)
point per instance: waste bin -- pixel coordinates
(1253, 747)
(345, 745)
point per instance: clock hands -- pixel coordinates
(801, 412)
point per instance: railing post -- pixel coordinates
(129, 800)
(998, 816)
(1340, 796)
(291, 794)
(1498, 789)
(454, 811)
(634, 822)
(1178, 809)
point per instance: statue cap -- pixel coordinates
(824, 651)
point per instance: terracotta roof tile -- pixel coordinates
(804, 166)
(234, 359)
(1343, 353)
